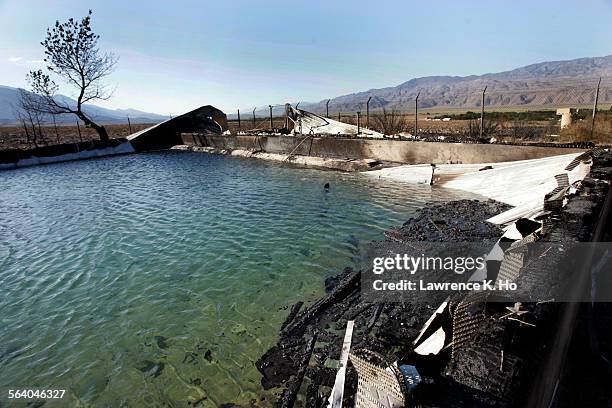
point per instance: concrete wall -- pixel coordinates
(385, 150)
(14, 158)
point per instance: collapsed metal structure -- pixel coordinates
(204, 120)
(308, 123)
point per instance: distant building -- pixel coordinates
(566, 116)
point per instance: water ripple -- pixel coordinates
(119, 276)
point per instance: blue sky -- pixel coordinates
(182, 54)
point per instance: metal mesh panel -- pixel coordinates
(562, 180)
(583, 157)
(511, 266)
(465, 321)
(377, 387)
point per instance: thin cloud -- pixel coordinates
(15, 59)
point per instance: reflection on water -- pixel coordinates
(158, 279)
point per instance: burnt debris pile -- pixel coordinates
(455, 221)
(491, 351)
(474, 375)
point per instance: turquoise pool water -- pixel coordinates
(159, 279)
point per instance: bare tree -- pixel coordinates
(72, 55)
(31, 117)
(390, 122)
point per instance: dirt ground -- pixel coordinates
(508, 131)
(15, 137)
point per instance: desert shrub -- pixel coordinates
(472, 130)
(523, 130)
(501, 116)
(580, 131)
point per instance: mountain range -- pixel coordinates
(9, 99)
(547, 84)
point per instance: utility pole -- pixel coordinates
(271, 123)
(482, 104)
(238, 119)
(368, 112)
(254, 117)
(595, 108)
(129, 124)
(416, 114)
(327, 108)
(358, 122)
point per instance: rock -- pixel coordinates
(161, 342)
(151, 368)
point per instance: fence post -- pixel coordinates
(254, 124)
(238, 119)
(368, 112)
(79, 129)
(130, 124)
(358, 122)
(286, 117)
(327, 108)
(56, 132)
(482, 111)
(338, 116)
(271, 123)
(595, 108)
(416, 114)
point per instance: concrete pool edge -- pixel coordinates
(328, 163)
(387, 150)
(15, 159)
